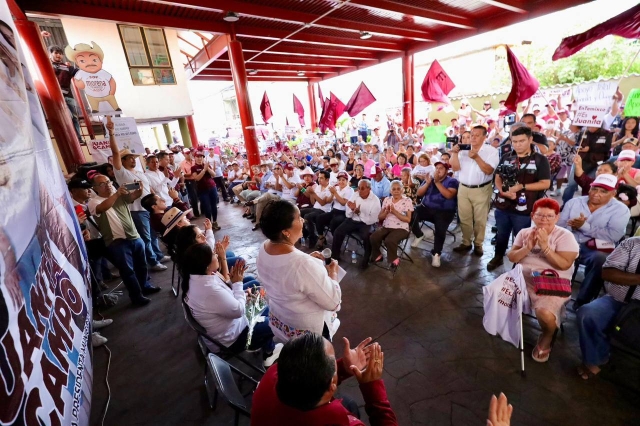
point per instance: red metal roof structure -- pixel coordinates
(306, 40)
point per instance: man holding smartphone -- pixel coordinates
(475, 167)
(124, 163)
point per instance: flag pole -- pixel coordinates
(520, 304)
(628, 67)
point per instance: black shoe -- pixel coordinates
(251, 216)
(246, 215)
(150, 290)
(494, 229)
(256, 227)
(495, 262)
(462, 248)
(493, 241)
(249, 203)
(141, 301)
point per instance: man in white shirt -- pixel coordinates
(476, 168)
(362, 212)
(322, 199)
(287, 184)
(178, 156)
(334, 165)
(375, 138)
(124, 163)
(159, 182)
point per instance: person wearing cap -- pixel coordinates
(584, 181)
(157, 207)
(513, 206)
(551, 114)
(626, 172)
(375, 137)
(189, 180)
(475, 167)
(214, 163)
(380, 185)
(206, 189)
(177, 153)
(438, 206)
(341, 193)
(594, 147)
(361, 213)
(234, 177)
(598, 221)
(487, 112)
(158, 181)
(124, 245)
(630, 144)
(124, 168)
(564, 122)
(288, 183)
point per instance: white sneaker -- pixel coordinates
(274, 356)
(165, 259)
(435, 261)
(158, 267)
(97, 339)
(98, 324)
(416, 241)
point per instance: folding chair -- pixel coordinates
(226, 385)
(175, 289)
(225, 352)
(449, 232)
(402, 247)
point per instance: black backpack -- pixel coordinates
(626, 331)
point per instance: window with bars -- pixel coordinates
(147, 55)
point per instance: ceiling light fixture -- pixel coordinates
(365, 35)
(300, 73)
(231, 17)
(253, 72)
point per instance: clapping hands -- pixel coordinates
(207, 225)
(577, 222)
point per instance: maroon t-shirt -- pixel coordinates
(207, 182)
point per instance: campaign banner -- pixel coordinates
(632, 106)
(598, 93)
(290, 130)
(126, 133)
(435, 135)
(542, 97)
(45, 306)
(590, 115)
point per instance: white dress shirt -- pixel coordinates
(345, 193)
(287, 193)
(369, 209)
(160, 184)
(470, 172)
(322, 193)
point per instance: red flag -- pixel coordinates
(333, 111)
(325, 109)
(523, 84)
(360, 99)
(265, 108)
(436, 85)
(287, 121)
(298, 109)
(626, 25)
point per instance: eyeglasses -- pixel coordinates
(544, 216)
(98, 185)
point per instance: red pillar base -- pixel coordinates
(192, 131)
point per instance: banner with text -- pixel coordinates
(590, 115)
(598, 93)
(542, 96)
(45, 305)
(125, 130)
(632, 106)
(435, 135)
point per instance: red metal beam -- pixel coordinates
(256, 79)
(205, 57)
(407, 92)
(224, 73)
(255, 45)
(189, 43)
(297, 17)
(510, 5)
(304, 36)
(275, 67)
(449, 19)
(268, 58)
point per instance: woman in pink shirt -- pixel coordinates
(401, 164)
(367, 163)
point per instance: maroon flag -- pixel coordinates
(626, 25)
(265, 108)
(298, 109)
(333, 111)
(436, 85)
(523, 84)
(360, 99)
(323, 114)
(287, 121)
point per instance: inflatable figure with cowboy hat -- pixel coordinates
(97, 83)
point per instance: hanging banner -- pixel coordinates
(45, 305)
(590, 115)
(598, 93)
(542, 96)
(125, 130)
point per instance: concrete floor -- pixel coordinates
(441, 367)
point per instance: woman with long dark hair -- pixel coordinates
(220, 307)
(628, 129)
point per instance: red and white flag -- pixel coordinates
(360, 99)
(626, 25)
(523, 84)
(437, 84)
(298, 109)
(265, 108)
(334, 110)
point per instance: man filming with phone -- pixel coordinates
(475, 163)
(522, 177)
(124, 168)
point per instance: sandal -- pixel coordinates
(378, 259)
(585, 372)
(394, 265)
(543, 355)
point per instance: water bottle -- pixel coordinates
(353, 256)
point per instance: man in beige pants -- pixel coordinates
(475, 167)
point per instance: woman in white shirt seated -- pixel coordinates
(219, 307)
(342, 192)
(304, 294)
(396, 215)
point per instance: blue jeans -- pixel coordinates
(595, 320)
(250, 282)
(592, 282)
(209, 203)
(128, 257)
(508, 222)
(143, 226)
(572, 186)
(73, 109)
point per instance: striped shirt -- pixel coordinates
(626, 258)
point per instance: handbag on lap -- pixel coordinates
(549, 283)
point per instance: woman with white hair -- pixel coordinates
(396, 215)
